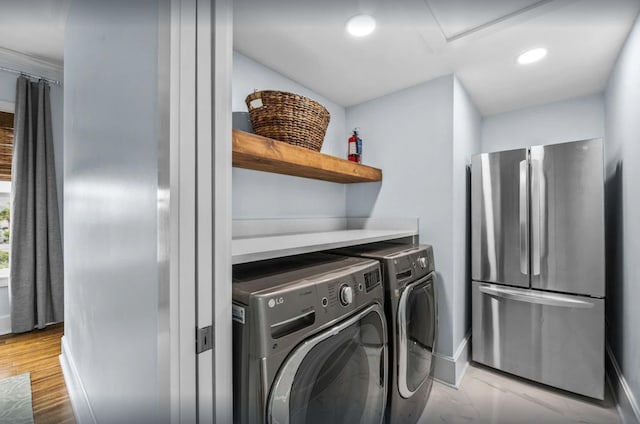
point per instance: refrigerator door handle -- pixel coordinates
(524, 236)
(540, 298)
(536, 215)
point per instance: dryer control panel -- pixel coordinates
(410, 266)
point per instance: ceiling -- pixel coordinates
(34, 28)
(418, 40)
(415, 41)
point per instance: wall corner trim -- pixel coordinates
(626, 403)
(79, 401)
(450, 370)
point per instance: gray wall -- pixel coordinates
(8, 86)
(265, 195)
(574, 119)
(409, 135)
(466, 142)
(110, 172)
(417, 136)
(622, 151)
(5, 307)
(8, 94)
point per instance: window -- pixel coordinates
(5, 219)
(6, 145)
(6, 150)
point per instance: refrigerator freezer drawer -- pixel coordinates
(546, 337)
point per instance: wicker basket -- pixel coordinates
(288, 117)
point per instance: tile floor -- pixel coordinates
(487, 397)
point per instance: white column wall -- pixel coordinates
(111, 174)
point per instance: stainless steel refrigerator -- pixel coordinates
(537, 243)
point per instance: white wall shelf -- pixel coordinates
(293, 240)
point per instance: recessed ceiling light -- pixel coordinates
(531, 56)
(361, 25)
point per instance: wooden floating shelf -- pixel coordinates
(251, 151)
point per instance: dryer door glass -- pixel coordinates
(335, 377)
(416, 328)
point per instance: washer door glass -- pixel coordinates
(416, 329)
(336, 377)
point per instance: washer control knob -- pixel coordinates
(422, 261)
(346, 295)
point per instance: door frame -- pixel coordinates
(194, 209)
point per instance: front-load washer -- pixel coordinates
(411, 310)
(309, 341)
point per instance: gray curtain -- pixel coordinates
(36, 270)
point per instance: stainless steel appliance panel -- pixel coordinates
(567, 218)
(499, 212)
(282, 309)
(338, 376)
(551, 338)
(416, 335)
(411, 308)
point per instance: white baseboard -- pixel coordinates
(5, 324)
(79, 401)
(626, 403)
(450, 369)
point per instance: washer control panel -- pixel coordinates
(284, 301)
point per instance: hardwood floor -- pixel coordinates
(37, 353)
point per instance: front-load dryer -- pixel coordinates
(411, 309)
(309, 341)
